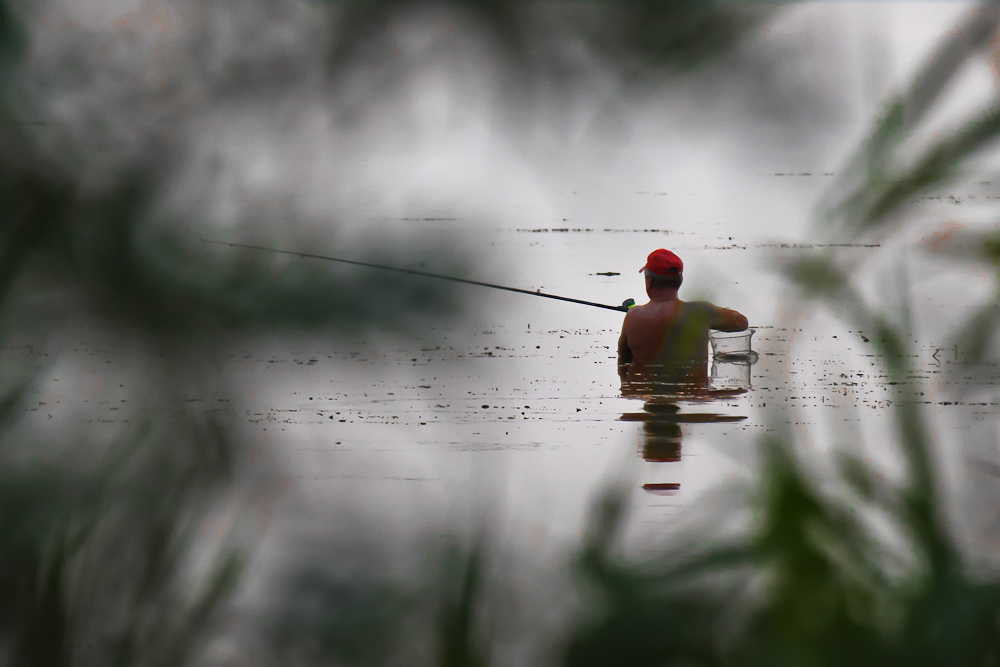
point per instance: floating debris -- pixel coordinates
(666, 489)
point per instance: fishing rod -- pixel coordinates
(628, 303)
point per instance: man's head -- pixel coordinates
(663, 269)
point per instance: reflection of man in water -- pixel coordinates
(663, 347)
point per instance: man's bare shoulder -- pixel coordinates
(634, 314)
(651, 315)
(655, 306)
(637, 313)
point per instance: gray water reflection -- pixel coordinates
(492, 417)
(529, 422)
(661, 421)
(531, 419)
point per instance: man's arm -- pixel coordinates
(624, 352)
(726, 319)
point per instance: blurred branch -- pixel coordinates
(459, 642)
(821, 278)
(907, 110)
(872, 184)
(941, 162)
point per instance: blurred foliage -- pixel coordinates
(99, 560)
(884, 180)
(882, 176)
(350, 621)
(333, 613)
(814, 586)
(685, 34)
(810, 588)
(681, 34)
(460, 643)
(91, 557)
(817, 276)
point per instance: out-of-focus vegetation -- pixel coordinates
(100, 557)
(104, 558)
(816, 583)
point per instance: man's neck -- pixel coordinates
(662, 294)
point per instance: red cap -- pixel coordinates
(663, 262)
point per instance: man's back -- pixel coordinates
(666, 342)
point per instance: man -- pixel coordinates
(663, 347)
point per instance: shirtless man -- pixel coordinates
(664, 344)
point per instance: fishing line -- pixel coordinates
(628, 303)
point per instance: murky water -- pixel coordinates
(521, 419)
(513, 411)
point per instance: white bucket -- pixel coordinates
(730, 343)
